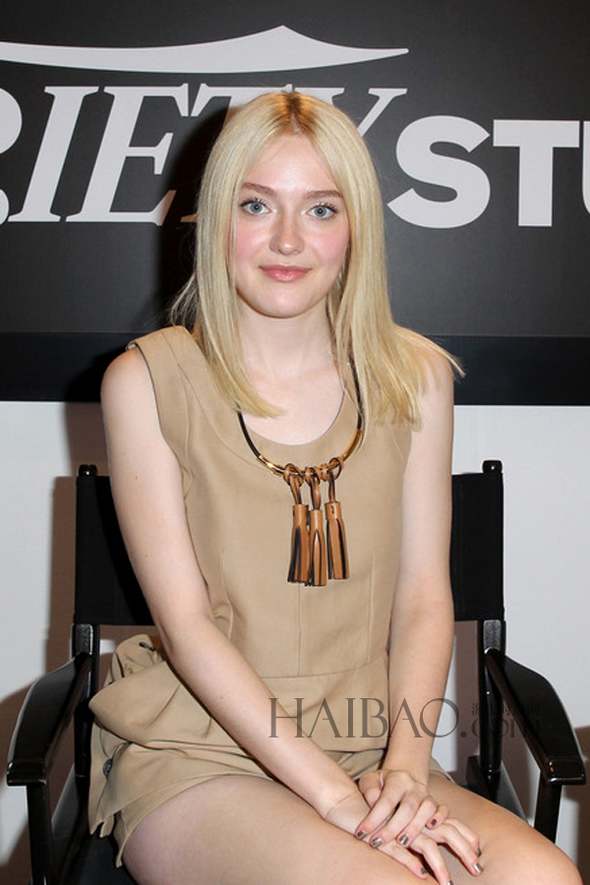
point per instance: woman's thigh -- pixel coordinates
(244, 830)
(512, 852)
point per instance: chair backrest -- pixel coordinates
(107, 591)
(477, 544)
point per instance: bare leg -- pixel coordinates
(243, 830)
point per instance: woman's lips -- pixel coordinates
(284, 274)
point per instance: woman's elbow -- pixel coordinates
(188, 637)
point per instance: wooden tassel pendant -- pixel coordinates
(318, 566)
(312, 558)
(299, 561)
(337, 552)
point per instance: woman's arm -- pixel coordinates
(147, 493)
(420, 651)
(422, 626)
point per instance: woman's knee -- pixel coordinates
(544, 865)
(513, 852)
(527, 858)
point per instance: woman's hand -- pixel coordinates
(403, 811)
(386, 790)
(347, 813)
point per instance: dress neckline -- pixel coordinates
(224, 417)
(264, 440)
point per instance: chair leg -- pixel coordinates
(475, 781)
(40, 835)
(547, 810)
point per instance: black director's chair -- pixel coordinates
(62, 851)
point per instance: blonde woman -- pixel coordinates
(280, 461)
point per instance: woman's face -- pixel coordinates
(292, 230)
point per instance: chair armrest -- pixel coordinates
(42, 720)
(541, 718)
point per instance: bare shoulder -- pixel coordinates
(438, 369)
(127, 395)
(434, 368)
(436, 397)
(126, 373)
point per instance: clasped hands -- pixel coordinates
(394, 813)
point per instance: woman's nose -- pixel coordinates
(286, 235)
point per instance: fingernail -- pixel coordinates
(360, 834)
(403, 840)
(432, 823)
(477, 868)
(376, 842)
(423, 871)
(479, 852)
(450, 882)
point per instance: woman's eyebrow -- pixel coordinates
(269, 190)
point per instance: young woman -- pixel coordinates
(280, 461)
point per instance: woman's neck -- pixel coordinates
(284, 348)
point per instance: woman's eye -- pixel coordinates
(253, 207)
(322, 211)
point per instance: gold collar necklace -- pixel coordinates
(312, 560)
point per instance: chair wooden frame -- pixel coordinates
(107, 593)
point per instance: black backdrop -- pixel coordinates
(475, 115)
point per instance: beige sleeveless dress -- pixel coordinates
(321, 651)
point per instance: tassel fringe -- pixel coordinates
(337, 552)
(299, 564)
(317, 576)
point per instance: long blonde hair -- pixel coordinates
(390, 359)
